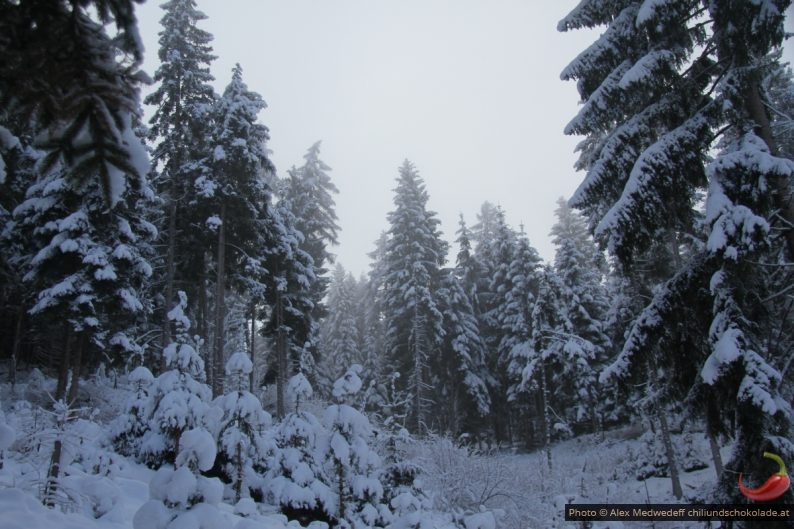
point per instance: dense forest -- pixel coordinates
(167, 263)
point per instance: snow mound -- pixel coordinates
(197, 447)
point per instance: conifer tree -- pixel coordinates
(234, 191)
(179, 130)
(288, 305)
(296, 480)
(660, 88)
(414, 255)
(458, 371)
(310, 191)
(178, 398)
(242, 443)
(514, 320)
(340, 332)
(498, 253)
(469, 268)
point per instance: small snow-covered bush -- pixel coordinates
(243, 443)
(348, 458)
(181, 497)
(652, 461)
(133, 422)
(296, 480)
(178, 399)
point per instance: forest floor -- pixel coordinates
(510, 490)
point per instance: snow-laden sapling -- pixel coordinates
(178, 400)
(296, 481)
(347, 457)
(133, 423)
(180, 496)
(402, 489)
(243, 445)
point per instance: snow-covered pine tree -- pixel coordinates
(77, 87)
(179, 130)
(17, 173)
(133, 423)
(232, 187)
(534, 359)
(351, 464)
(310, 191)
(340, 332)
(178, 398)
(288, 305)
(514, 325)
(375, 377)
(180, 496)
(469, 269)
(296, 480)
(579, 265)
(414, 255)
(498, 251)
(458, 372)
(660, 87)
(243, 446)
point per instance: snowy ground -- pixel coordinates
(517, 491)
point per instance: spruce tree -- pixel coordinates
(498, 252)
(458, 371)
(179, 131)
(287, 305)
(310, 190)
(660, 88)
(234, 193)
(414, 254)
(342, 343)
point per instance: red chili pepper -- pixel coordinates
(774, 487)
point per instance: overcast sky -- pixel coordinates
(468, 90)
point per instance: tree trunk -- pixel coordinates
(251, 376)
(340, 476)
(281, 358)
(220, 307)
(417, 382)
(546, 418)
(76, 366)
(715, 452)
(12, 373)
(238, 483)
(202, 326)
(672, 462)
(170, 269)
(63, 373)
(54, 470)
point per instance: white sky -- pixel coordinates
(468, 90)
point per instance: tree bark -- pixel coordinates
(418, 345)
(54, 470)
(76, 367)
(202, 326)
(170, 269)
(281, 358)
(220, 307)
(715, 452)
(544, 401)
(63, 373)
(672, 462)
(251, 376)
(12, 373)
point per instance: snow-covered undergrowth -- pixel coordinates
(425, 484)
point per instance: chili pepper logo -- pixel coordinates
(774, 487)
